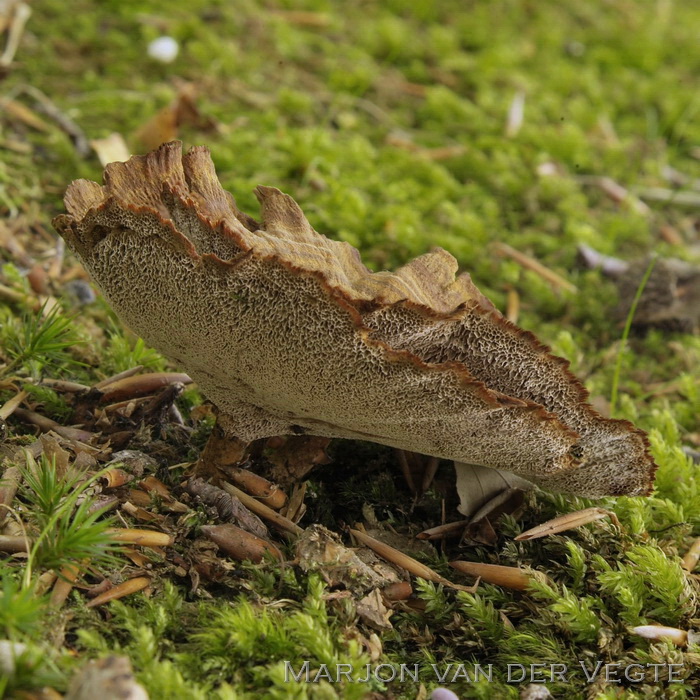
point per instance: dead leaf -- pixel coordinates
(295, 456)
(478, 486)
(110, 677)
(165, 125)
(295, 508)
(319, 549)
(373, 612)
(111, 148)
(404, 561)
(480, 528)
(54, 452)
(9, 484)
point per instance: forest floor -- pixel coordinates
(481, 128)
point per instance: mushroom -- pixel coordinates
(287, 332)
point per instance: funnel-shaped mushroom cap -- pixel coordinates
(286, 331)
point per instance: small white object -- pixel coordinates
(9, 651)
(164, 49)
(443, 694)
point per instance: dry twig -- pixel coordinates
(507, 576)
(692, 556)
(265, 512)
(535, 266)
(239, 544)
(568, 521)
(133, 585)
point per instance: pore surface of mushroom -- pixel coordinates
(286, 331)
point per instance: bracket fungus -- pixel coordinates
(287, 332)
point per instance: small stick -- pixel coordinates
(239, 544)
(76, 134)
(516, 112)
(429, 473)
(140, 498)
(435, 154)
(406, 470)
(24, 114)
(507, 576)
(397, 591)
(56, 263)
(671, 235)
(568, 522)
(9, 407)
(22, 12)
(46, 424)
(660, 194)
(443, 152)
(133, 585)
(45, 582)
(661, 633)
(442, 531)
(143, 538)
(14, 543)
(116, 477)
(692, 556)
(116, 377)
(64, 584)
(11, 479)
(257, 486)
(64, 386)
(513, 305)
(8, 294)
(151, 484)
(304, 18)
(295, 507)
(145, 516)
(141, 385)
(405, 562)
(535, 266)
(616, 192)
(134, 403)
(265, 512)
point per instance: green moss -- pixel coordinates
(342, 113)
